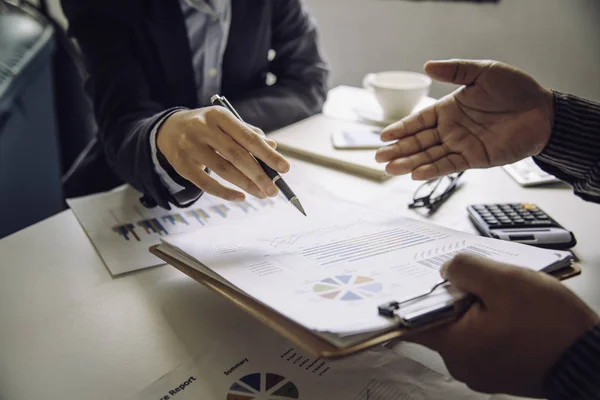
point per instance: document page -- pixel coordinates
(330, 271)
(122, 229)
(260, 365)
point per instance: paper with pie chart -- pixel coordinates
(254, 363)
(330, 272)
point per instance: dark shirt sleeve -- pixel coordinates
(125, 111)
(301, 86)
(576, 375)
(573, 152)
(573, 155)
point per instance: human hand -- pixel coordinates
(501, 115)
(213, 137)
(508, 340)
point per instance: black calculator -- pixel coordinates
(520, 222)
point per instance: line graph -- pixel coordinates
(348, 242)
(381, 390)
(295, 238)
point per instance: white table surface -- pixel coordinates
(69, 330)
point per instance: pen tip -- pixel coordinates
(298, 205)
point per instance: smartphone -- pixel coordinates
(360, 138)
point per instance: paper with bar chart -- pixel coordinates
(254, 363)
(330, 272)
(122, 229)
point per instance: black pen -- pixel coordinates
(271, 173)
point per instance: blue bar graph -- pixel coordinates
(153, 226)
(125, 231)
(174, 219)
(220, 209)
(245, 207)
(199, 214)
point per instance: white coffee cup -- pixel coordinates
(397, 92)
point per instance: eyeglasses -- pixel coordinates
(435, 192)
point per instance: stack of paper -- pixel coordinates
(330, 272)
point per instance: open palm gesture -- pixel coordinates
(501, 115)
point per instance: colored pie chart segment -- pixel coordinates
(347, 287)
(259, 386)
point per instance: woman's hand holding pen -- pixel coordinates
(212, 137)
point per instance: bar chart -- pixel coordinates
(153, 226)
(245, 207)
(175, 219)
(170, 223)
(199, 214)
(126, 231)
(359, 247)
(122, 229)
(437, 260)
(220, 209)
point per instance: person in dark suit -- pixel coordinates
(153, 66)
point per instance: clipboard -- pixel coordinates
(301, 336)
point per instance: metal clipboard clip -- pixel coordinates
(411, 317)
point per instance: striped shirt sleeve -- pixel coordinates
(576, 375)
(573, 152)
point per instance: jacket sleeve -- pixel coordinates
(576, 375)
(301, 86)
(573, 152)
(124, 109)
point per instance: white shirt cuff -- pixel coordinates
(168, 182)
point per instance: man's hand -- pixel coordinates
(508, 340)
(212, 137)
(501, 115)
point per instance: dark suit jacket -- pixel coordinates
(139, 62)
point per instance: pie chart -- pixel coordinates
(263, 386)
(347, 287)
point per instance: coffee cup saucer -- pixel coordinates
(371, 112)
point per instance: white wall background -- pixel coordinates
(557, 41)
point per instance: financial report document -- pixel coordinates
(330, 272)
(254, 363)
(122, 229)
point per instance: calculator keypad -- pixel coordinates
(517, 215)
